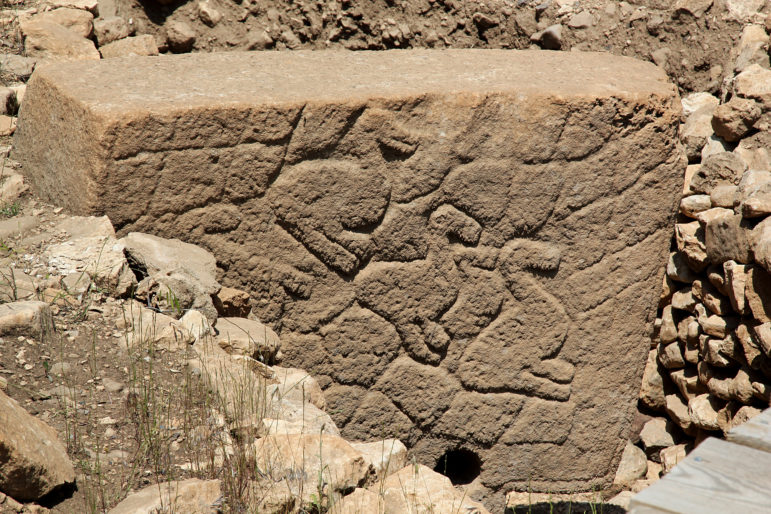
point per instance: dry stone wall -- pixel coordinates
(709, 367)
(465, 247)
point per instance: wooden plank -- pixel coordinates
(756, 433)
(717, 477)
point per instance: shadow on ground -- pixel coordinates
(565, 508)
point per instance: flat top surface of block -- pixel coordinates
(154, 83)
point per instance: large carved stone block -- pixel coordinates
(465, 247)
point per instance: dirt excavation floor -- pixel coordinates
(182, 404)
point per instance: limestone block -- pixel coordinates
(77, 20)
(193, 496)
(109, 29)
(29, 318)
(467, 234)
(247, 337)
(51, 41)
(385, 457)
(136, 45)
(633, 465)
(33, 462)
(419, 489)
(299, 462)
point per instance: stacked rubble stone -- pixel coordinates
(709, 366)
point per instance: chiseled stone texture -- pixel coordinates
(465, 247)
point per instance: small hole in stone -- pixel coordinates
(461, 466)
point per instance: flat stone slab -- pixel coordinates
(465, 247)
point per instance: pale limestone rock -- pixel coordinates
(655, 435)
(754, 82)
(734, 119)
(687, 381)
(690, 171)
(253, 398)
(690, 243)
(196, 323)
(247, 337)
(110, 29)
(696, 130)
(743, 415)
(18, 66)
(52, 42)
(757, 293)
(703, 412)
(26, 318)
(672, 456)
(724, 195)
(684, 300)
(678, 412)
(75, 227)
(710, 296)
(298, 385)
(7, 125)
(712, 353)
(752, 48)
(15, 285)
(77, 20)
(654, 471)
(757, 202)
(193, 496)
(714, 325)
(695, 8)
(668, 331)
(135, 45)
(299, 461)
(208, 13)
(288, 416)
(622, 500)
(692, 102)
(694, 204)
(763, 336)
(736, 283)
(385, 457)
(238, 383)
(719, 168)
(753, 179)
(12, 187)
(91, 6)
(101, 257)
(416, 488)
(713, 146)
(743, 10)
(633, 465)
(359, 501)
(671, 355)
(145, 327)
(762, 391)
(678, 270)
(755, 156)
(750, 346)
(761, 243)
(33, 462)
(652, 390)
(188, 271)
